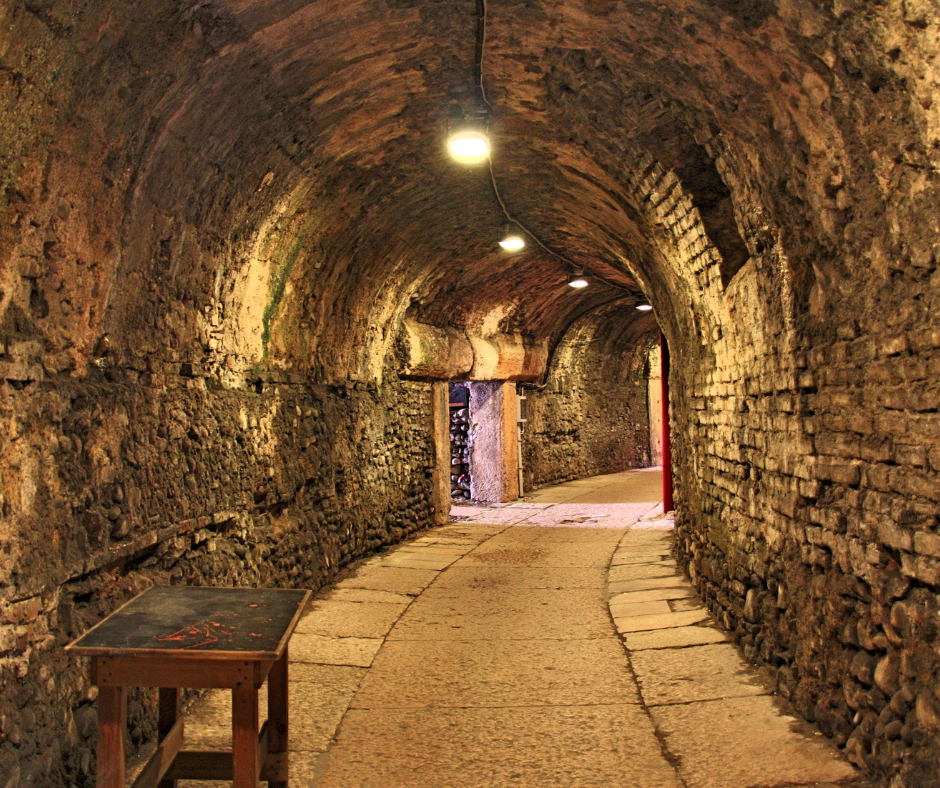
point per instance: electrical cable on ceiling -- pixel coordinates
(481, 47)
(480, 52)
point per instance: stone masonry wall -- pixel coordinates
(136, 479)
(808, 493)
(834, 584)
(592, 415)
(248, 188)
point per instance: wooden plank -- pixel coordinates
(262, 668)
(213, 765)
(245, 738)
(167, 671)
(168, 717)
(201, 765)
(278, 722)
(275, 769)
(263, 744)
(112, 720)
(161, 761)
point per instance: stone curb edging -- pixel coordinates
(716, 716)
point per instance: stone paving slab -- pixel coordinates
(443, 548)
(690, 603)
(494, 614)
(678, 637)
(544, 747)
(649, 583)
(499, 673)
(502, 517)
(627, 609)
(696, 673)
(447, 541)
(660, 621)
(588, 516)
(646, 536)
(323, 650)
(655, 594)
(474, 531)
(612, 494)
(504, 550)
(502, 671)
(433, 550)
(302, 767)
(367, 595)
(641, 572)
(410, 560)
(461, 579)
(318, 696)
(714, 712)
(622, 558)
(747, 743)
(560, 534)
(337, 618)
(389, 578)
(466, 510)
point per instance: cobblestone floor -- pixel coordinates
(548, 642)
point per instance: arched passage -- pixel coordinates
(235, 258)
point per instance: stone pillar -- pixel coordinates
(440, 477)
(495, 441)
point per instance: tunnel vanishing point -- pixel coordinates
(238, 270)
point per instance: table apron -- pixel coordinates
(134, 671)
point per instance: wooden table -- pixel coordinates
(179, 637)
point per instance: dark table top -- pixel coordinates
(187, 621)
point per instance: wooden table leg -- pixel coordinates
(278, 724)
(245, 738)
(112, 721)
(167, 715)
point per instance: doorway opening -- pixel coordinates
(484, 441)
(460, 449)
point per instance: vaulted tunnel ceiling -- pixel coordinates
(276, 169)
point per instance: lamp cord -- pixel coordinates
(481, 47)
(481, 50)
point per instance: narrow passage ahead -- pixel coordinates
(548, 642)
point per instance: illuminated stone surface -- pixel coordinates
(238, 267)
(543, 693)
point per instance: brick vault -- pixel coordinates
(237, 270)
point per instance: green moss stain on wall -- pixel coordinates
(281, 271)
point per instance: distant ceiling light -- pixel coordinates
(512, 240)
(643, 306)
(468, 141)
(577, 280)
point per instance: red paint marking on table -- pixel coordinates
(202, 630)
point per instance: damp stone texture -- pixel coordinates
(141, 483)
(237, 267)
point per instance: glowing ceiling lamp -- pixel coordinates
(511, 239)
(577, 280)
(643, 306)
(469, 142)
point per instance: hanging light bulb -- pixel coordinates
(577, 280)
(512, 240)
(468, 140)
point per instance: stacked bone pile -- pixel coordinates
(459, 454)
